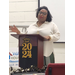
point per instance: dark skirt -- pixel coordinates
(49, 59)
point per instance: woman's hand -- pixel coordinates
(14, 29)
(47, 37)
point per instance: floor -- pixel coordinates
(29, 74)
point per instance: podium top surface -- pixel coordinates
(37, 35)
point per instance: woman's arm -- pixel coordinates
(14, 29)
(56, 34)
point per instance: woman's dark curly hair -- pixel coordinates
(49, 16)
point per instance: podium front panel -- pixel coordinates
(30, 50)
(27, 51)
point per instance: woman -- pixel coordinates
(46, 28)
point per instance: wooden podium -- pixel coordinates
(30, 50)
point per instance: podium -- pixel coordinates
(30, 50)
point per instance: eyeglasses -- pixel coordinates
(43, 13)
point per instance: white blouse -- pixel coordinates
(46, 29)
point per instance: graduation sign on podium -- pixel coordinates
(30, 50)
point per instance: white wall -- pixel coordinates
(59, 51)
(21, 13)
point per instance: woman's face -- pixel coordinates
(42, 15)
